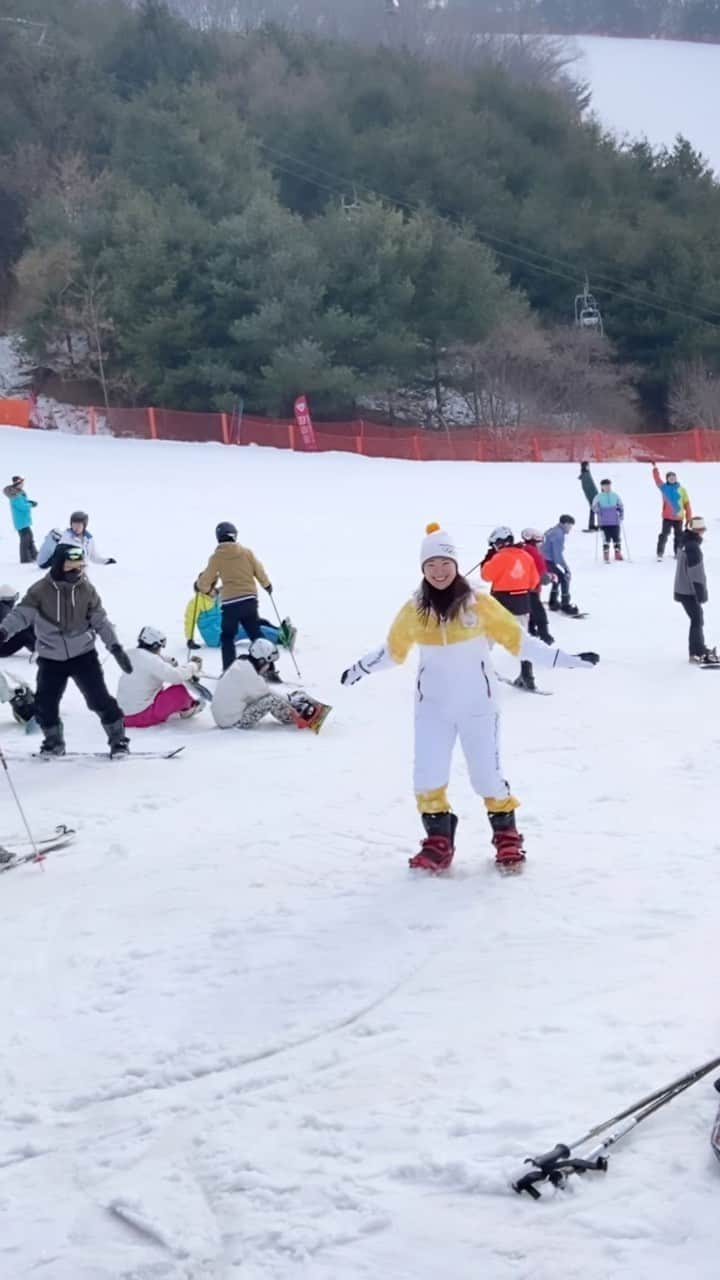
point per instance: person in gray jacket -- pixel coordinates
(691, 590)
(66, 614)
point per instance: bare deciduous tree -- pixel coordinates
(695, 397)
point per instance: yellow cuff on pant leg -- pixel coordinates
(505, 805)
(433, 801)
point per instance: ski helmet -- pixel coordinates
(226, 532)
(8, 593)
(151, 638)
(79, 517)
(566, 520)
(501, 537)
(263, 652)
(697, 524)
(532, 535)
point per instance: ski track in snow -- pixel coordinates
(239, 1038)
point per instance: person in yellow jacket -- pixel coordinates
(457, 696)
(199, 604)
(238, 570)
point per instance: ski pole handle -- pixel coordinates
(542, 1167)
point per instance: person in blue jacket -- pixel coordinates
(553, 549)
(21, 510)
(610, 512)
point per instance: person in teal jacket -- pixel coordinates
(21, 510)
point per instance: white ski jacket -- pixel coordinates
(236, 689)
(149, 675)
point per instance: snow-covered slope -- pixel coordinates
(655, 89)
(239, 1039)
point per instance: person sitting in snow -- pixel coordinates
(76, 535)
(156, 689)
(21, 699)
(24, 639)
(205, 613)
(242, 697)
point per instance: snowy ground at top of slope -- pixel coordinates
(655, 89)
(238, 1037)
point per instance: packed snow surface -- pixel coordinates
(655, 89)
(239, 1038)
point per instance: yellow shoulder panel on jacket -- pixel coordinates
(404, 632)
(498, 624)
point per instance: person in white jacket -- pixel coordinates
(156, 688)
(242, 697)
(456, 696)
(76, 535)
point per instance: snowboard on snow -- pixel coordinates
(14, 853)
(543, 693)
(101, 755)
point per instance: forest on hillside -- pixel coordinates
(192, 215)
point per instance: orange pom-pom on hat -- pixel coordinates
(437, 543)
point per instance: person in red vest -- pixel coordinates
(513, 577)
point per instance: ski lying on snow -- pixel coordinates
(544, 693)
(715, 1135)
(63, 837)
(104, 755)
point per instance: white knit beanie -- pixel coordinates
(437, 543)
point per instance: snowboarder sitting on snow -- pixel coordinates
(589, 488)
(513, 577)
(205, 613)
(155, 688)
(67, 614)
(238, 570)
(675, 509)
(553, 549)
(532, 540)
(242, 697)
(21, 699)
(456, 696)
(609, 510)
(21, 508)
(76, 535)
(691, 590)
(24, 639)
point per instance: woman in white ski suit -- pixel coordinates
(456, 695)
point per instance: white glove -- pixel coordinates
(353, 674)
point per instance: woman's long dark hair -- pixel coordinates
(445, 604)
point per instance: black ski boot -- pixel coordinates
(437, 849)
(118, 743)
(571, 610)
(526, 679)
(53, 743)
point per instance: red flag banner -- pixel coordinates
(304, 423)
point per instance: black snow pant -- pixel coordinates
(539, 619)
(592, 520)
(87, 673)
(234, 614)
(694, 611)
(561, 586)
(22, 640)
(611, 533)
(667, 525)
(28, 550)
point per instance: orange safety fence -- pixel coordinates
(379, 440)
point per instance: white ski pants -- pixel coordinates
(436, 731)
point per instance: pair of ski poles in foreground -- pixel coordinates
(558, 1165)
(624, 536)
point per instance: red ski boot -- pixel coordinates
(438, 847)
(509, 851)
(618, 553)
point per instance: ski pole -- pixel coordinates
(196, 610)
(597, 539)
(627, 544)
(292, 655)
(555, 1166)
(16, 798)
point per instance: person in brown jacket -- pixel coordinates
(238, 570)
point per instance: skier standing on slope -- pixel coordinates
(589, 488)
(66, 614)
(676, 509)
(532, 540)
(456, 696)
(610, 512)
(691, 591)
(21, 509)
(553, 549)
(76, 535)
(513, 577)
(238, 570)
(242, 698)
(155, 688)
